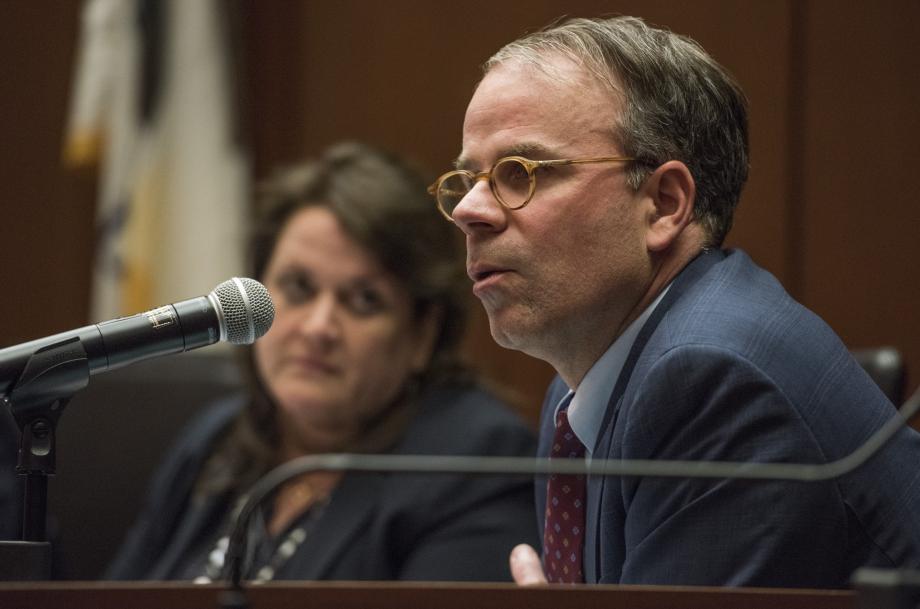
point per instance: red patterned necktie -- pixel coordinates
(564, 524)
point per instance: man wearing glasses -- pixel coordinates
(601, 163)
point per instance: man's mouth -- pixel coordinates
(480, 272)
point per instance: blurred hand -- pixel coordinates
(526, 567)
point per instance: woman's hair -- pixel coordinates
(381, 203)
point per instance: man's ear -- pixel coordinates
(672, 192)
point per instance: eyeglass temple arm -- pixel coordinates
(606, 159)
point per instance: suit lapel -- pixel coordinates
(352, 505)
(602, 448)
(189, 529)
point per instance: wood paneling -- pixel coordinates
(860, 251)
(833, 94)
(401, 73)
(46, 226)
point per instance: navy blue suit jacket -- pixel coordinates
(730, 368)
(376, 526)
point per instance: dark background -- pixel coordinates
(830, 208)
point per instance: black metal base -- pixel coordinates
(25, 560)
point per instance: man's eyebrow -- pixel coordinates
(527, 150)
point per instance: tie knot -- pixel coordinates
(565, 443)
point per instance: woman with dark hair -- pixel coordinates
(369, 290)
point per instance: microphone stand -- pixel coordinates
(49, 380)
(877, 588)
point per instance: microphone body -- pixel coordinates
(238, 310)
(112, 344)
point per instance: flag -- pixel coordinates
(154, 108)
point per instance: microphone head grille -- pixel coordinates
(246, 307)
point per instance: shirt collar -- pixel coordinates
(586, 412)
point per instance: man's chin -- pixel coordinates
(520, 330)
(506, 331)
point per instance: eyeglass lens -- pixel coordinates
(511, 183)
(452, 190)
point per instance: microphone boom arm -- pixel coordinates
(529, 466)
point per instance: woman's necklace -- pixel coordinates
(283, 551)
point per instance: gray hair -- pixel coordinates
(679, 103)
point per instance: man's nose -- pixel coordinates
(480, 211)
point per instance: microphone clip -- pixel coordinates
(50, 378)
(52, 375)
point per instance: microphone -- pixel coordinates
(238, 310)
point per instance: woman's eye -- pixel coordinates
(296, 288)
(365, 301)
